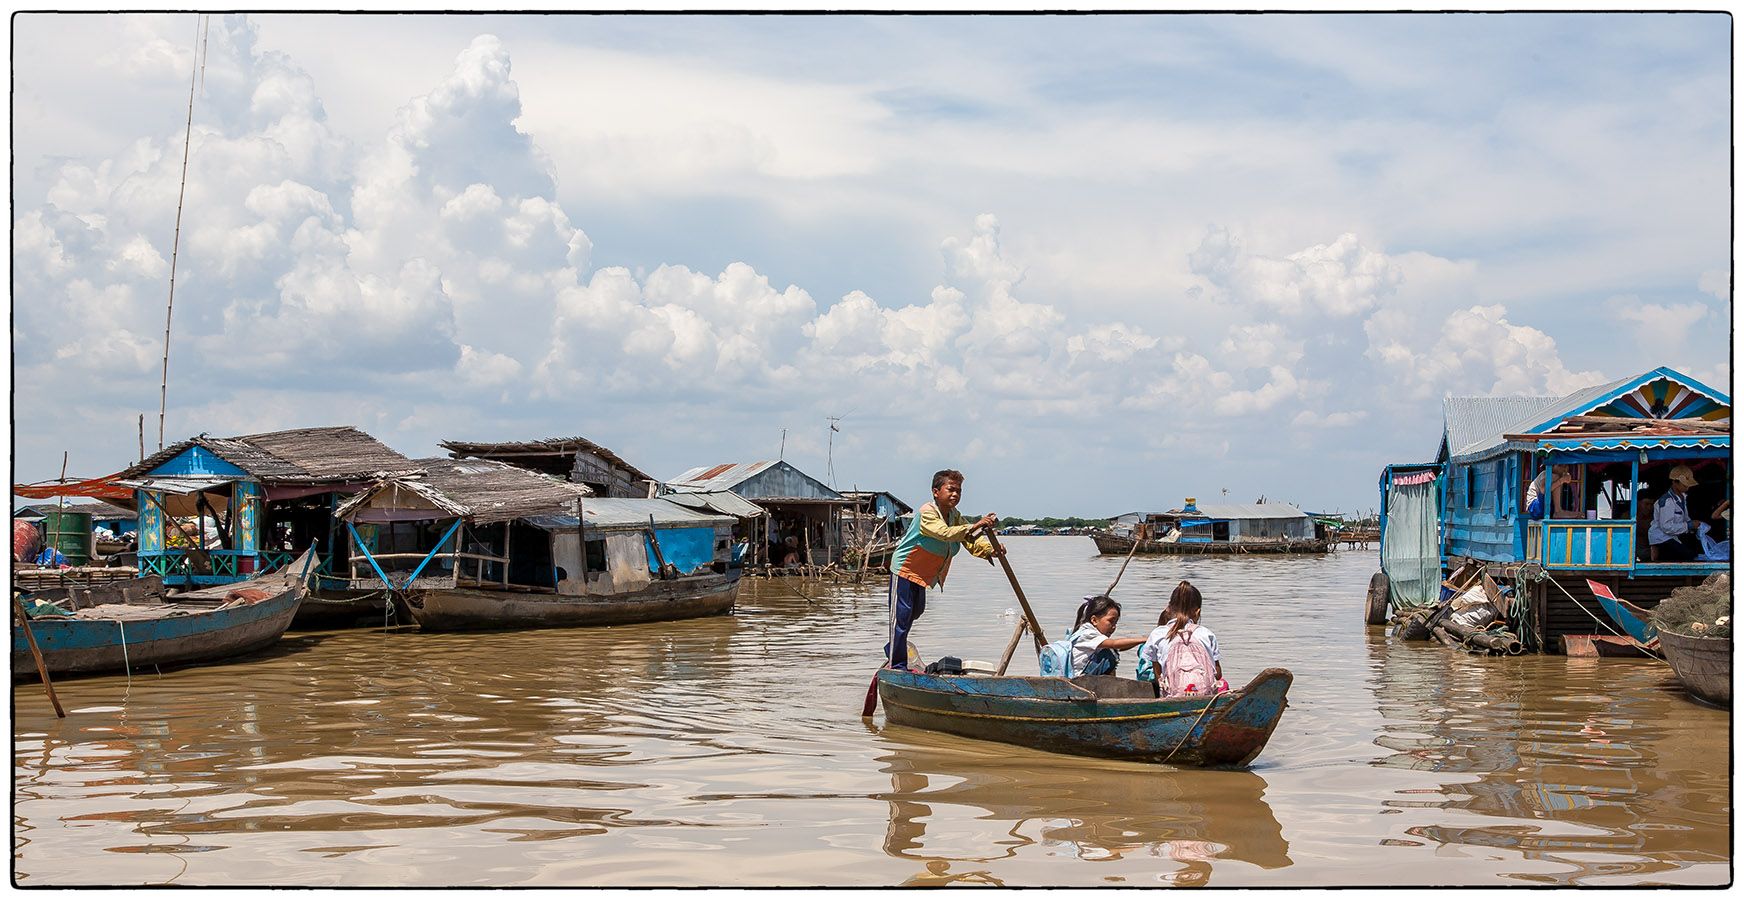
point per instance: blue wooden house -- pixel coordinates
(219, 510)
(1600, 457)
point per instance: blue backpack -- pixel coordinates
(1056, 660)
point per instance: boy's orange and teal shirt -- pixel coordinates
(924, 553)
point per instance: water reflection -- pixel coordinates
(1597, 766)
(970, 807)
(730, 751)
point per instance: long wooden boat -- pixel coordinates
(1703, 664)
(472, 609)
(1109, 543)
(197, 626)
(1097, 715)
(1634, 620)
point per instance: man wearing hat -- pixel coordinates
(1671, 535)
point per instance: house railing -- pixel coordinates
(1581, 543)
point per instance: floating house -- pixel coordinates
(268, 497)
(480, 544)
(797, 506)
(1218, 528)
(577, 459)
(1600, 458)
(876, 517)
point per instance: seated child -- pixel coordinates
(1094, 649)
(1198, 666)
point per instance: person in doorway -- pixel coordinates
(1535, 491)
(790, 551)
(923, 557)
(1670, 537)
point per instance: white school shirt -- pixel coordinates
(1156, 647)
(1085, 642)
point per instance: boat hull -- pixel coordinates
(1114, 544)
(90, 645)
(331, 607)
(1634, 620)
(466, 609)
(1703, 664)
(1088, 717)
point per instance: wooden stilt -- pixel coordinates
(41, 667)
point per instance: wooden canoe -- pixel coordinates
(471, 609)
(1703, 664)
(1096, 715)
(202, 625)
(1635, 621)
(1108, 544)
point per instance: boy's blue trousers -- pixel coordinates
(907, 603)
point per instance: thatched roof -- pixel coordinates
(301, 455)
(482, 491)
(550, 447)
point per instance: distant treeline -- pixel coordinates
(1052, 522)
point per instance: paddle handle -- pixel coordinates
(1011, 646)
(1035, 628)
(41, 667)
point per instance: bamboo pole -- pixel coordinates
(175, 250)
(41, 667)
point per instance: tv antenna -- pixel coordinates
(830, 451)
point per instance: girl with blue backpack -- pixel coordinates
(1091, 648)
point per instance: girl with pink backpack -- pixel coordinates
(1181, 652)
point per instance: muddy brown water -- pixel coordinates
(730, 751)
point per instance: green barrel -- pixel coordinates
(70, 533)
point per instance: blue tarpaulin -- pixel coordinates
(687, 548)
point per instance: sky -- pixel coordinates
(1098, 263)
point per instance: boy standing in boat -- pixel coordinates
(923, 556)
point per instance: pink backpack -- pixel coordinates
(1188, 668)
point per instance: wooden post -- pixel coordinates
(41, 667)
(508, 533)
(654, 540)
(581, 538)
(1011, 646)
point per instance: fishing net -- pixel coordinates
(1704, 610)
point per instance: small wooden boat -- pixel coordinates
(1635, 621)
(1109, 543)
(1703, 664)
(1095, 715)
(140, 632)
(464, 609)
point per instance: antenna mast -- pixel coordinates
(176, 242)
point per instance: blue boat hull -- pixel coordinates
(1634, 620)
(71, 645)
(1100, 716)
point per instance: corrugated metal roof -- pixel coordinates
(630, 513)
(723, 477)
(1471, 423)
(551, 446)
(724, 502)
(1249, 511)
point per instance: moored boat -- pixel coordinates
(1634, 620)
(458, 609)
(1098, 715)
(198, 626)
(1109, 543)
(1703, 664)
(480, 544)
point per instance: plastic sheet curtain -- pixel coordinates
(1411, 551)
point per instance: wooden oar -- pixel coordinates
(1117, 575)
(41, 668)
(1028, 622)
